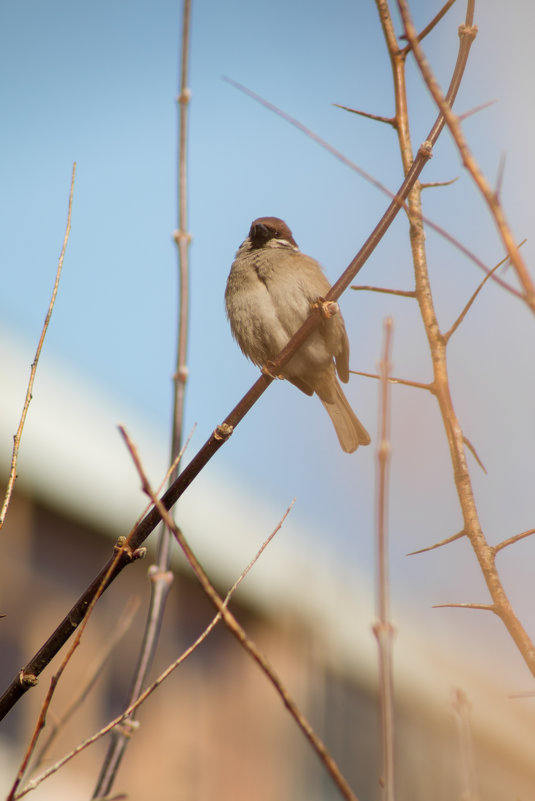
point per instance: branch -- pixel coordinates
(403, 293)
(405, 382)
(28, 398)
(485, 607)
(512, 540)
(439, 544)
(388, 120)
(383, 629)
(429, 27)
(161, 578)
(464, 312)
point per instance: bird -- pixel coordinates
(271, 289)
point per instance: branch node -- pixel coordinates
(223, 431)
(182, 236)
(328, 308)
(28, 679)
(468, 31)
(123, 546)
(184, 96)
(181, 374)
(426, 149)
(156, 575)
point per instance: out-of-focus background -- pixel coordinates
(98, 84)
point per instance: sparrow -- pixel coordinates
(270, 291)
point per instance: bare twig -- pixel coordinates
(476, 110)
(403, 293)
(429, 27)
(435, 184)
(485, 607)
(439, 544)
(474, 453)
(383, 628)
(460, 318)
(376, 117)
(511, 540)
(160, 576)
(391, 380)
(452, 121)
(29, 390)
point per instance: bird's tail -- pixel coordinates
(350, 431)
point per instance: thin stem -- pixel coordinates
(27, 400)
(434, 22)
(161, 578)
(383, 628)
(403, 293)
(391, 380)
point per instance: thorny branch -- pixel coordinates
(437, 342)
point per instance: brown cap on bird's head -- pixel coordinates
(265, 228)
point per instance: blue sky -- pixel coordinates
(97, 83)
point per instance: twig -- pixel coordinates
(429, 27)
(29, 390)
(476, 110)
(383, 629)
(439, 544)
(460, 318)
(474, 453)
(511, 540)
(435, 184)
(376, 117)
(452, 121)
(391, 380)
(403, 293)
(485, 607)
(161, 578)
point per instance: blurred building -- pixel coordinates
(216, 728)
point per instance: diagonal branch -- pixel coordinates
(439, 544)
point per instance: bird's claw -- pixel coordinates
(328, 308)
(268, 370)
